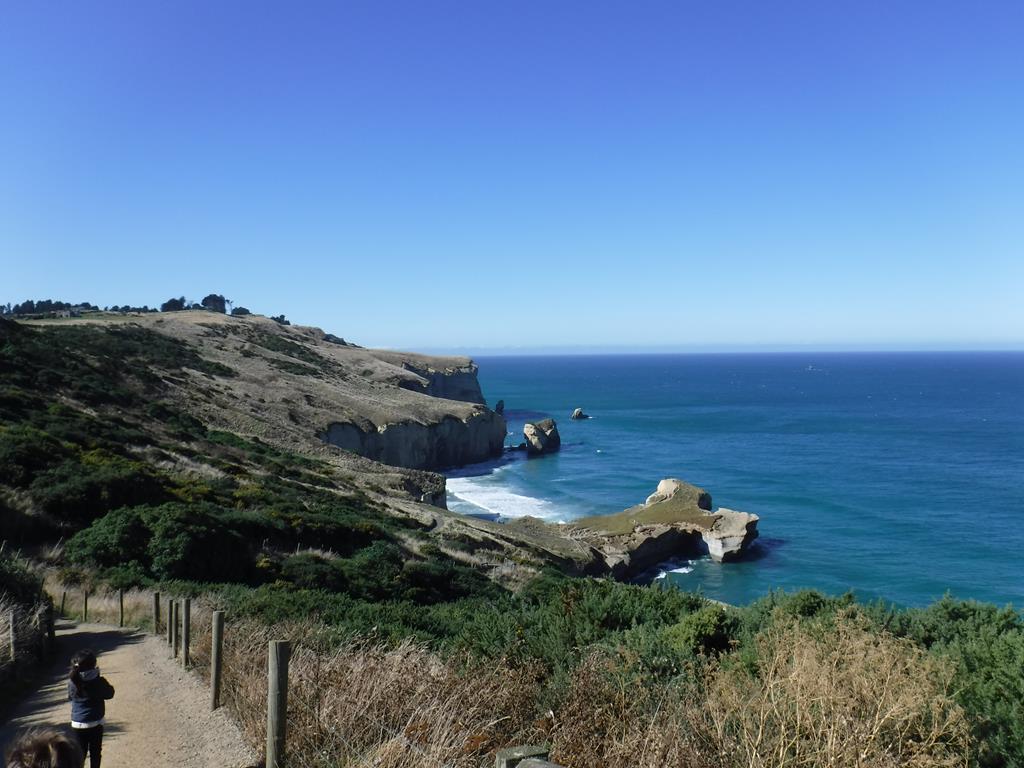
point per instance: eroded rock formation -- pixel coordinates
(675, 521)
(542, 437)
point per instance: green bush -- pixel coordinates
(26, 451)
(312, 572)
(986, 645)
(190, 542)
(79, 492)
(171, 541)
(706, 631)
(120, 537)
(375, 572)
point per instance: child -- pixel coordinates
(44, 749)
(88, 693)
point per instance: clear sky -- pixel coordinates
(487, 174)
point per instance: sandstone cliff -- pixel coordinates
(450, 442)
(448, 378)
(308, 391)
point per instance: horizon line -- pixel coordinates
(582, 350)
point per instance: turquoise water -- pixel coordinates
(895, 475)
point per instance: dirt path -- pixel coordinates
(160, 716)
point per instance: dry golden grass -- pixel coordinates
(608, 719)
(104, 606)
(840, 698)
(843, 697)
(29, 635)
(363, 705)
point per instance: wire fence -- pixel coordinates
(357, 704)
(25, 636)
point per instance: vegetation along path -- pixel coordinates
(160, 716)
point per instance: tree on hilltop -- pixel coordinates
(215, 302)
(174, 305)
(240, 311)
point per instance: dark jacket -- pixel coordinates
(88, 701)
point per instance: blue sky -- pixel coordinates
(483, 174)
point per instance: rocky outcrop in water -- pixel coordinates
(675, 521)
(579, 414)
(730, 534)
(542, 437)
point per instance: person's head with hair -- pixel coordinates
(83, 667)
(47, 748)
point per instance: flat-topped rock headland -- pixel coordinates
(675, 521)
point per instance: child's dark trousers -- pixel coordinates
(91, 742)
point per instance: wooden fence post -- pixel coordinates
(175, 632)
(277, 701)
(216, 658)
(156, 613)
(170, 622)
(186, 631)
(63, 601)
(51, 633)
(85, 606)
(517, 756)
(120, 607)
(37, 625)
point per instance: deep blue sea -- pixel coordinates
(895, 475)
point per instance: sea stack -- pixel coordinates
(579, 414)
(542, 437)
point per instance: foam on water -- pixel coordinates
(673, 566)
(473, 494)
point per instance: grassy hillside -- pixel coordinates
(96, 449)
(136, 450)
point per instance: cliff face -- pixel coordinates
(448, 378)
(450, 383)
(449, 442)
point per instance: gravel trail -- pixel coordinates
(160, 716)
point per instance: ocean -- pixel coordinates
(895, 475)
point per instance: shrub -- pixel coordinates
(846, 696)
(190, 542)
(82, 491)
(24, 452)
(312, 572)
(172, 541)
(706, 631)
(120, 537)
